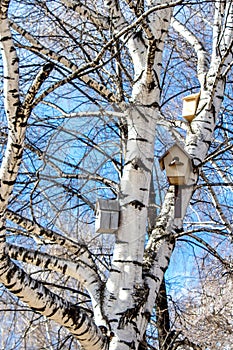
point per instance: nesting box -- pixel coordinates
(177, 164)
(107, 215)
(190, 104)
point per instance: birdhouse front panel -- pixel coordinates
(177, 165)
(107, 216)
(177, 169)
(190, 104)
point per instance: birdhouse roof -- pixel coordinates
(107, 204)
(195, 96)
(171, 150)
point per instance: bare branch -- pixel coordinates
(79, 249)
(37, 47)
(202, 55)
(35, 87)
(75, 269)
(87, 13)
(217, 205)
(51, 305)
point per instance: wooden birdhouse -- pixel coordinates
(107, 215)
(177, 165)
(190, 104)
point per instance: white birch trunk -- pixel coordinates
(126, 275)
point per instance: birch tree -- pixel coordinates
(211, 309)
(92, 98)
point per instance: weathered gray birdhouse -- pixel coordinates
(190, 104)
(177, 164)
(107, 215)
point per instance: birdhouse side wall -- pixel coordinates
(114, 221)
(190, 104)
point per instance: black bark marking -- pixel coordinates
(16, 291)
(38, 262)
(47, 263)
(23, 124)
(137, 204)
(131, 344)
(179, 229)
(138, 164)
(103, 329)
(147, 315)
(64, 268)
(207, 142)
(10, 275)
(47, 68)
(5, 38)
(19, 155)
(11, 172)
(151, 85)
(41, 309)
(14, 61)
(17, 146)
(135, 262)
(141, 139)
(114, 320)
(9, 183)
(52, 313)
(82, 333)
(80, 323)
(208, 129)
(155, 278)
(14, 91)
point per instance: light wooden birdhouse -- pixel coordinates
(107, 215)
(177, 165)
(190, 104)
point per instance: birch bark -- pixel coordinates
(126, 290)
